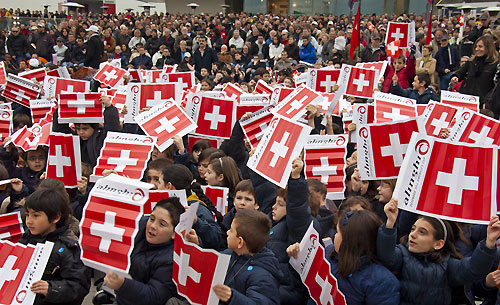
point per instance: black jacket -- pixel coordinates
(152, 45)
(44, 45)
(424, 98)
(204, 61)
(95, 50)
(17, 45)
(477, 76)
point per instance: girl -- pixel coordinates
(223, 172)
(428, 263)
(353, 261)
(244, 199)
(152, 258)
(10, 194)
(65, 279)
(203, 161)
(385, 190)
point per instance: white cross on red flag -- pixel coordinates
(460, 100)
(80, 108)
(279, 94)
(255, 125)
(436, 117)
(281, 143)
(392, 108)
(232, 91)
(6, 125)
(59, 72)
(154, 196)
(361, 81)
(393, 49)
(314, 270)
(110, 75)
(323, 80)
(475, 128)
(380, 66)
(454, 181)
(324, 159)
(30, 138)
(53, 86)
(263, 87)
(64, 162)
(382, 147)
(40, 108)
(397, 31)
(151, 76)
(11, 227)
(164, 121)
(185, 80)
(251, 103)
(21, 266)
(110, 223)
(20, 90)
(125, 153)
(294, 105)
(37, 75)
(136, 75)
(218, 195)
(213, 116)
(141, 96)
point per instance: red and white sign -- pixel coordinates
(59, 72)
(393, 49)
(437, 116)
(324, 159)
(116, 62)
(125, 153)
(219, 197)
(141, 96)
(475, 128)
(363, 113)
(397, 31)
(382, 147)
(154, 196)
(164, 121)
(213, 116)
(460, 100)
(281, 143)
(110, 223)
(315, 270)
(252, 99)
(53, 86)
(323, 80)
(36, 75)
(6, 125)
(232, 91)
(3, 74)
(256, 124)
(119, 100)
(20, 90)
(22, 265)
(30, 138)
(453, 181)
(110, 75)
(393, 108)
(151, 76)
(185, 80)
(294, 106)
(279, 94)
(63, 162)
(80, 108)
(197, 270)
(380, 66)
(40, 108)
(361, 82)
(11, 227)
(263, 87)
(136, 75)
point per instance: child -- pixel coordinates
(191, 161)
(404, 69)
(35, 161)
(223, 172)
(151, 260)
(204, 160)
(10, 194)
(65, 279)
(154, 173)
(353, 261)
(253, 276)
(429, 265)
(243, 200)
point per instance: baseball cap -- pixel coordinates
(187, 54)
(330, 22)
(93, 28)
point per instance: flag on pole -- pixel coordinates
(355, 35)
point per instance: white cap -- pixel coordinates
(93, 28)
(33, 62)
(330, 22)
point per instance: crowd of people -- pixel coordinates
(379, 255)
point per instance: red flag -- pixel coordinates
(63, 162)
(186, 80)
(263, 87)
(31, 138)
(214, 116)
(110, 75)
(362, 82)
(279, 94)
(3, 74)
(40, 108)
(11, 227)
(37, 75)
(6, 125)
(391, 108)
(428, 38)
(218, 195)
(20, 90)
(80, 108)
(214, 141)
(232, 91)
(294, 106)
(355, 35)
(398, 32)
(141, 96)
(460, 100)
(476, 128)
(53, 86)
(323, 80)
(438, 116)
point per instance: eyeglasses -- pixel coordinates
(39, 158)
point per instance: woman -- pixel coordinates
(478, 73)
(108, 41)
(275, 49)
(186, 64)
(426, 64)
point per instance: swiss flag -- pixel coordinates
(80, 108)
(15, 260)
(119, 100)
(438, 116)
(110, 75)
(232, 91)
(476, 128)
(196, 270)
(263, 87)
(11, 227)
(218, 195)
(243, 109)
(37, 75)
(216, 117)
(391, 108)
(135, 75)
(60, 72)
(380, 66)
(393, 49)
(421, 109)
(64, 162)
(154, 196)
(460, 100)
(3, 74)
(279, 94)
(255, 126)
(398, 32)
(40, 108)
(165, 121)
(151, 76)
(153, 94)
(362, 82)
(127, 154)
(53, 86)
(20, 90)
(184, 79)
(363, 113)
(323, 80)
(295, 104)
(6, 125)
(30, 138)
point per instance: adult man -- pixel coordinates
(95, 48)
(311, 39)
(237, 41)
(184, 36)
(167, 39)
(123, 37)
(43, 42)
(373, 51)
(204, 56)
(447, 61)
(17, 45)
(260, 48)
(328, 47)
(165, 59)
(284, 63)
(143, 59)
(153, 43)
(421, 91)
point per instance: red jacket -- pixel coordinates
(404, 75)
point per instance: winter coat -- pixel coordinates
(424, 281)
(404, 75)
(207, 229)
(307, 53)
(153, 45)
(427, 66)
(371, 283)
(68, 278)
(142, 60)
(265, 192)
(44, 44)
(424, 98)
(369, 54)
(325, 220)
(95, 50)
(228, 219)
(30, 178)
(204, 61)
(443, 59)
(253, 279)
(17, 45)
(493, 100)
(293, 51)
(151, 271)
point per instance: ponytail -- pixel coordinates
(196, 188)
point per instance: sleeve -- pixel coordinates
(111, 119)
(208, 230)
(298, 214)
(385, 291)
(399, 91)
(432, 67)
(236, 147)
(262, 290)
(181, 158)
(387, 251)
(410, 68)
(462, 72)
(473, 268)
(265, 192)
(58, 127)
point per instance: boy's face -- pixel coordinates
(279, 209)
(159, 227)
(38, 223)
(84, 131)
(245, 201)
(233, 240)
(399, 64)
(36, 160)
(155, 177)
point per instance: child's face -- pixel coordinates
(353, 158)
(421, 238)
(232, 237)
(202, 168)
(84, 131)
(155, 177)
(159, 227)
(244, 201)
(399, 64)
(385, 192)
(36, 160)
(364, 187)
(279, 209)
(212, 178)
(205, 86)
(38, 223)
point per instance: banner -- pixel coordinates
(20, 90)
(322, 80)
(141, 96)
(436, 117)
(460, 100)
(476, 128)
(255, 125)
(213, 116)
(40, 108)
(80, 108)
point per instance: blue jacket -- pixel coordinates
(307, 53)
(372, 283)
(207, 229)
(151, 271)
(142, 60)
(424, 281)
(253, 279)
(424, 98)
(289, 230)
(204, 61)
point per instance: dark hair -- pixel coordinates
(52, 203)
(92, 125)
(359, 239)
(347, 205)
(245, 186)
(159, 164)
(24, 154)
(209, 82)
(253, 226)
(174, 208)
(205, 154)
(280, 192)
(21, 120)
(424, 77)
(316, 186)
(227, 167)
(200, 145)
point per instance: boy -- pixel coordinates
(154, 173)
(253, 275)
(244, 199)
